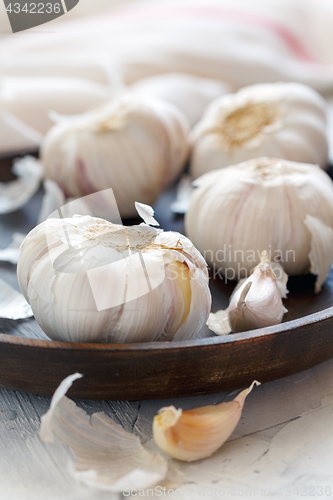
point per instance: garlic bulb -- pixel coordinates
(133, 145)
(190, 93)
(283, 120)
(195, 434)
(32, 98)
(88, 280)
(257, 303)
(284, 207)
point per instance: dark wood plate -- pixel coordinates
(162, 369)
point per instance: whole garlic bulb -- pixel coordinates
(190, 93)
(135, 146)
(88, 280)
(283, 120)
(281, 206)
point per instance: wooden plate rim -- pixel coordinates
(311, 319)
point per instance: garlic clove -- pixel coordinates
(107, 457)
(195, 434)
(257, 302)
(321, 252)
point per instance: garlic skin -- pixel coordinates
(283, 120)
(88, 280)
(107, 457)
(267, 203)
(257, 303)
(195, 434)
(190, 93)
(134, 145)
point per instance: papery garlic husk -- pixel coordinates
(257, 303)
(12, 303)
(107, 457)
(88, 280)
(32, 98)
(195, 434)
(284, 207)
(134, 145)
(190, 93)
(15, 194)
(283, 120)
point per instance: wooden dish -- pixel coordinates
(170, 369)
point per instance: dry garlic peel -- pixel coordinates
(257, 302)
(189, 93)
(88, 280)
(134, 145)
(195, 434)
(284, 120)
(237, 212)
(107, 457)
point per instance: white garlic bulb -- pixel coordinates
(190, 93)
(257, 302)
(281, 206)
(283, 120)
(32, 98)
(88, 280)
(135, 146)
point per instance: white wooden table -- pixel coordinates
(282, 447)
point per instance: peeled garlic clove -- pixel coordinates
(195, 434)
(237, 211)
(107, 457)
(133, 145)
(189, 93)
(88, 280)
(285, 120)
(257, 303)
